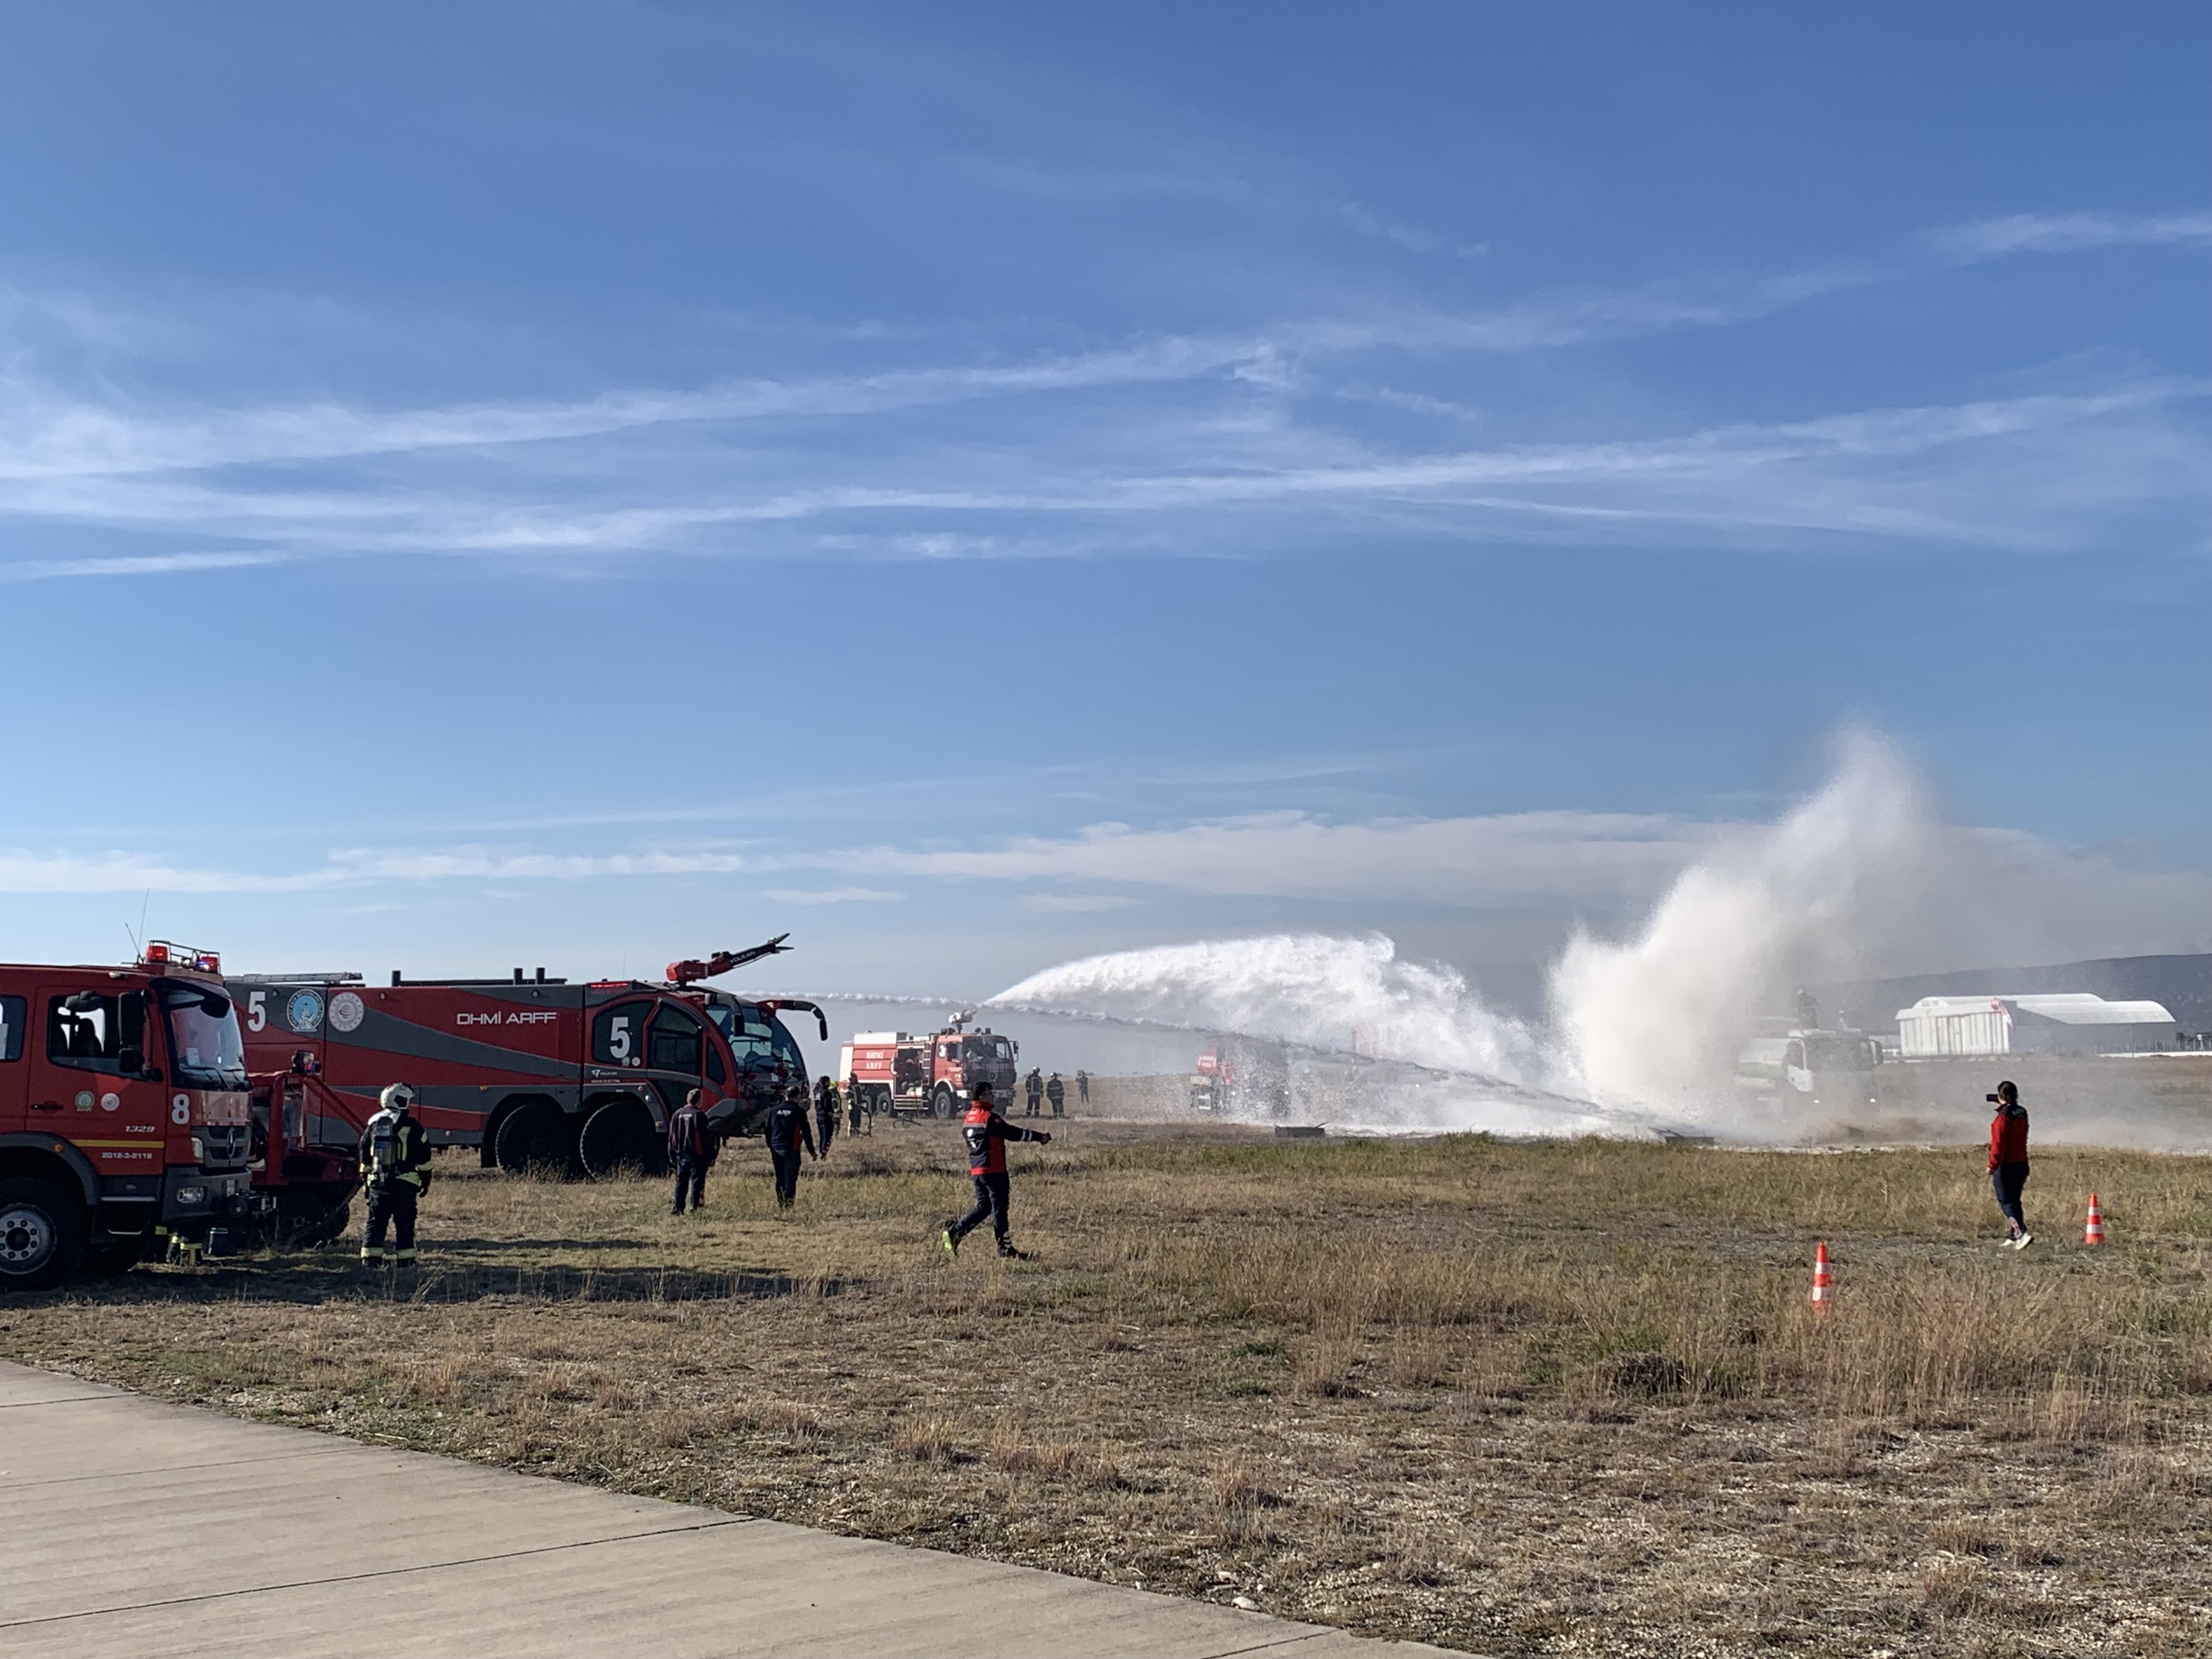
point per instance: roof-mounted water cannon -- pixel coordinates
(722, 961)
(960, 1019)
(777, 1005)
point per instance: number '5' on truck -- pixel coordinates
(534, 1072)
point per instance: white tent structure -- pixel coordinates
(2071, 1021)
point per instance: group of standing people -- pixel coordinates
(1039, 1088)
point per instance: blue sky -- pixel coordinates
(581, 484)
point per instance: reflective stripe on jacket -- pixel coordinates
(986, 1134)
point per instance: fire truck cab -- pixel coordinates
(124, 1113)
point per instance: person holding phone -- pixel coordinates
(2008, 1163)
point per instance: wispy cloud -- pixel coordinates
(1091, 441)
(2070, 233)
(1563, 864)
(832, 896)
(155, 564)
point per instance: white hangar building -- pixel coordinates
(2064, 1022)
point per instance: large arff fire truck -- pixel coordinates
(911, 1076)
(534, 1072)
(124, 1113)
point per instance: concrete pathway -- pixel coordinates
(151, 1531)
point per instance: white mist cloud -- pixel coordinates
(1305, 987)
(1864, 878)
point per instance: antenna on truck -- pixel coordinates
(684, 973)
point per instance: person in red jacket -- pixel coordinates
(2008, 1163)
(986, 1134)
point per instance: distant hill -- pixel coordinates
(2183, 984)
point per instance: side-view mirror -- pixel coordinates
(132, 1061)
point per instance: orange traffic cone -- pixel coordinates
(1824, 1280)
(2094, 1232)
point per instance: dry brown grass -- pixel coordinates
(1522, 1398)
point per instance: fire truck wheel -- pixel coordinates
(619, 1139)
(537, 1137)
(42, 1234)
(943, 1102)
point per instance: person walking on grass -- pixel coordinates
(786, 1132)
(986, 1134)
(1082, 1088)
(2008, 1163)
(853, 1110)
(1056, 1092)
(825, 1111)
(1033, 1085)
(691, 1149)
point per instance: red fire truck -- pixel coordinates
(534, 1072)
(124, 1115)
(898, 1073)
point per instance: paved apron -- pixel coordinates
(143, 1530)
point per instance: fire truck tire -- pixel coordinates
(941, 1103)
(538, 1136)
(620, 1138)
(42, 1232)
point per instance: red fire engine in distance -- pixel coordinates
(124, 1113)
(534, 1072)
(905, 1075)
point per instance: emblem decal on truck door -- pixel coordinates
(345, 1012)
(303, 1013)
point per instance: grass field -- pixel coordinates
(1517, 1399)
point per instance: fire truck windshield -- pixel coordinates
(205, 1046)
(989, 1047)
(757, 1040)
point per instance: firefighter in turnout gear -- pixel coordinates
(786, 1132)
(825, 1112)
(395, 1159)
(1033, 1085)
(986, 1134)
(1056, 1092)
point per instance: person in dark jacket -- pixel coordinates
(786, 1132)
(691, 1149)
(2008, 1163)
(1082, 1088)
(1056, 1092)
(986, 1134)
(395, 1167)
(1033, 1085)
(825, 1111)
(852, 1109)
